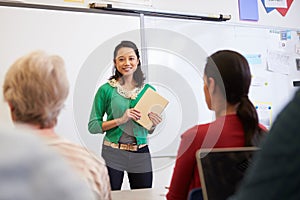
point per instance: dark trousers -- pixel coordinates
(137, 165)
(136, 180)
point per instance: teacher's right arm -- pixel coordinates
(98, 110)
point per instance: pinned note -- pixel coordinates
(253, 59)
(278, 61)
(248, 10)
(264, 112)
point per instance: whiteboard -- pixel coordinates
(76, 36)
(177, 51)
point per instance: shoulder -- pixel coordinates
(89, 165)
(195, 135)
(69, 148)
(190, 133)
(38, 160)
(197, 130)
(104, 90)
(105, 87)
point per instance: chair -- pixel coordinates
(195, 194)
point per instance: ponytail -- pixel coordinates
(248, 116)
(232, 74)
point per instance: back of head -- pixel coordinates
(231, 72)
(36, 87)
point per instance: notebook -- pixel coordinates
(151, 101)
(222, 169)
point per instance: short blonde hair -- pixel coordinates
(36, 86)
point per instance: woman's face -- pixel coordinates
(206, 93)
(126, 61)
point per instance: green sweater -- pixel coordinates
(108, 101)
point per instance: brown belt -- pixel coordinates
(126, 147)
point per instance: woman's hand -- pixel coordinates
(130, 114)
(155, 118)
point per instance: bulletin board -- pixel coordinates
(177, 51)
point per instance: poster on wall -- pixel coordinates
(282, 6)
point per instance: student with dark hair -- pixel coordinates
(125, 145)
(227, 80)
(274, 173)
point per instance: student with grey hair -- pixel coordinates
(36, 87)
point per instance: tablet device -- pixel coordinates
(222, 169)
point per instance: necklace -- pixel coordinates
(129, 94)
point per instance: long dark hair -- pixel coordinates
(138, 75)
(231, 72)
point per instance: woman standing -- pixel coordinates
(125, 143)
